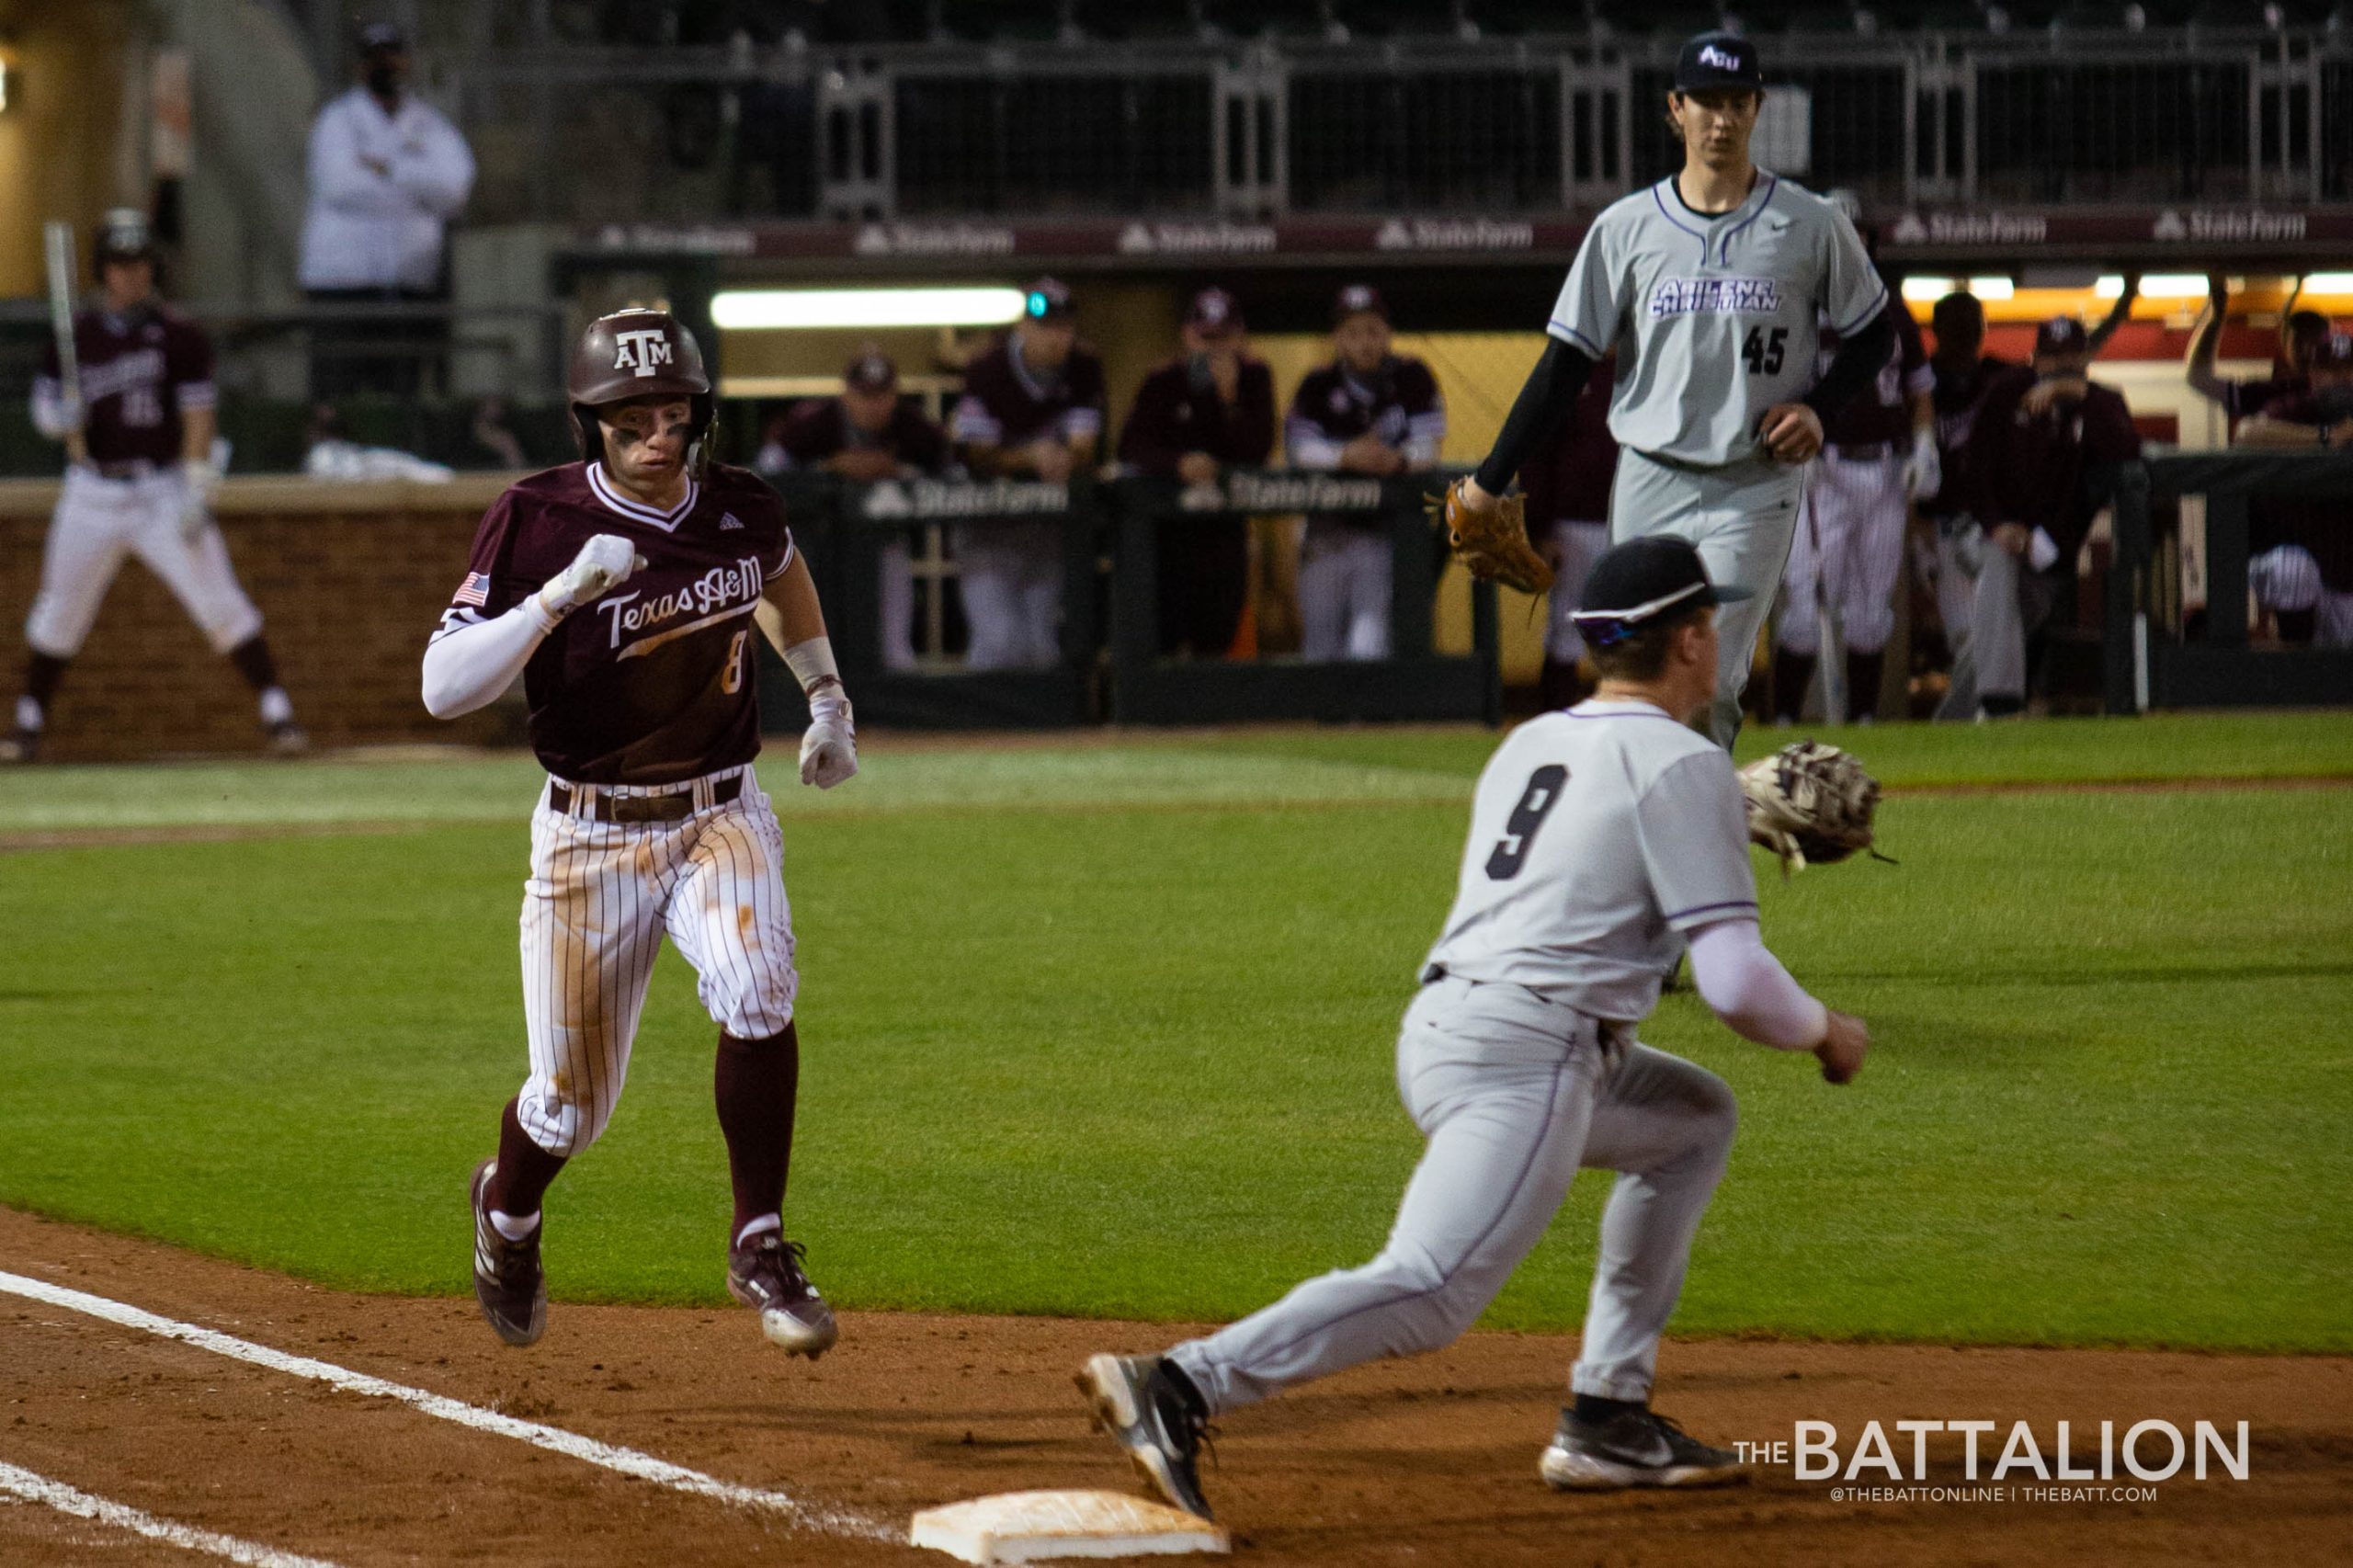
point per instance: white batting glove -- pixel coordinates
(603, 564)
(199, 481)
(829, 747)
(1924, 471)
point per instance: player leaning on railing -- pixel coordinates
(624, 589)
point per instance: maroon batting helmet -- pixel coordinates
(638, 353)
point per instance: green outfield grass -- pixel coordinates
(1070, 1048)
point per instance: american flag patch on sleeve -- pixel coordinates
(474, 590)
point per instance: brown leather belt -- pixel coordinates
(676, 806)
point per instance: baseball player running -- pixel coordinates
(140, 483)
(623, 589)
(1603, 838)
(1708, 285)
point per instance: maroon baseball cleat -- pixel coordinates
(766, 1274)
(508, 1281)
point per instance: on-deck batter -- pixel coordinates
(1602, 839)
(624, 589)
(1708, 285)
(143, 486)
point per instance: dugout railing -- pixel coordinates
(1109, 665)
(2162, 651)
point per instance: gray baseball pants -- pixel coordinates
(1742, 516)
(1514, 1093)
(1992, 602)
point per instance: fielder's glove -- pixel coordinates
(829, 747)
(199, 481)
(1810, 804)
(603, 564)
(1492, 543)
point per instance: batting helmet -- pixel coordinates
(639, 353)
(124, 234)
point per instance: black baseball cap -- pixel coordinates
(2061, 334)
(872, 371)
(1715, 61)
(1358, 300)
(1214, 313)
(1049, 300)
(1636, 584)
(382, 37)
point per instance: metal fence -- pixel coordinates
(587, 135)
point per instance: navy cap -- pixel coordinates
(1049, 300)
(872, 371)
(382, 37)
(1636, 582)
(2061, 334)
(1717, 61)
(1358, 300)
(1214, 313)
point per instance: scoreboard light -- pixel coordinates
(802, 310)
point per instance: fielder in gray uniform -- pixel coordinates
(1707, 284)
(1603, 839)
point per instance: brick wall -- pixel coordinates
(350, 580)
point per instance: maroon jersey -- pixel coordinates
(1177, 410)
(653, 683)
(2044, 469)
(140, 372)
(1881, 413)
(821, 429)
(1959, 397)
(1008, 403)
(1567, 479)
(1399, 403)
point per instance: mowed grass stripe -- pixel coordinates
(1138, 1064)
(1271, 767)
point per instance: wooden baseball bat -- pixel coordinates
(58, 240)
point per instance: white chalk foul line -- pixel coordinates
(608, 1456)
(71, 1500)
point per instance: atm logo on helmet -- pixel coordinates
(643, 352)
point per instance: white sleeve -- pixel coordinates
(338, 183)
(440, 174)
(49, 408)
(1588, 313)
(1747, 987)
(470, 662)
(1308, 445)
(1851, 291)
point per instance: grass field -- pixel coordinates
(1104, 1028)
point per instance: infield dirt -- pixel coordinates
(1425, 1461)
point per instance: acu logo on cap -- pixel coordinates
(643, 352)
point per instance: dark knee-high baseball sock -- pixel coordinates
(756, 1085)
(1593, 1408)
(1792, 673)
(1862, 682)
(524, 1169)
(254, 662)
(43, 675)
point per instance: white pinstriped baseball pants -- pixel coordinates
(1848, 549)
(1514, 1094)
(100, 521)
(599, 898)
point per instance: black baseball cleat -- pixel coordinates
(20, 745)
(1633, 1448)
(1140, 1407)
(766, 1274)
(509, 1284)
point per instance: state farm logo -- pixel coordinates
(1973, 229)
(928, 498)
(1220, 238)
(933, 238)
(1296, 492)
(2201, 225)
(1453, 234)
(643, 352)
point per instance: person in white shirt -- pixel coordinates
(1604, 839)
(387, 172)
